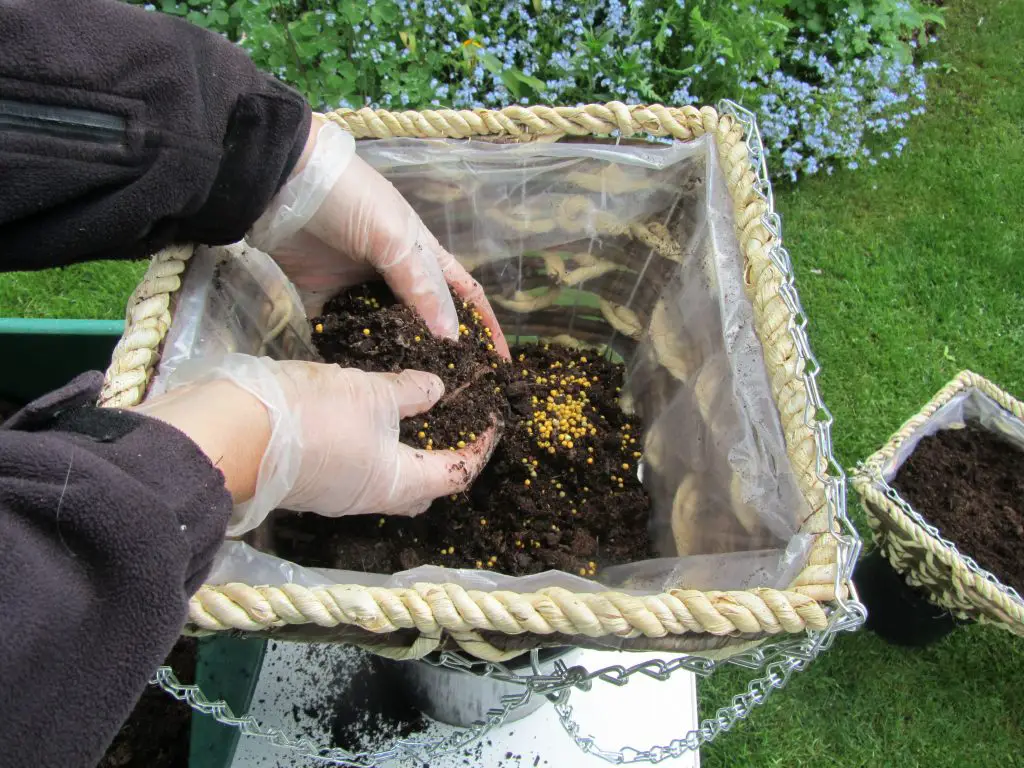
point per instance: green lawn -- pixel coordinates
(909, 273)
(94, 291)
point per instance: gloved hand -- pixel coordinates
(337, 221)
(333, 441)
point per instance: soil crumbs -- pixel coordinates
(365, 710)
(969, 484)
(365, 706)
(561, 490)
(156, 733)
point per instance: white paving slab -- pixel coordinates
(303, 688)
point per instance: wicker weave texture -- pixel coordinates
(434, 610)
(925, 560)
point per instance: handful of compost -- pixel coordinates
(332, 443)
(331, 434)
(338, 223)
(542, 501)
(366, 328)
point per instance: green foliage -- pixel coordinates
(841, 72)
(479, 53)
(731, 44)
(858, 25)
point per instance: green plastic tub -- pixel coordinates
(40, 355)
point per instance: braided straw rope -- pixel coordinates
(925, 560)
(147, 319)
(431, 608)
(434, 610)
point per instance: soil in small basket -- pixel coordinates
(156, 733)
(559, 495)
(969, 483)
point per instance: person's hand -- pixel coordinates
(337, 221)
(230, 426)
(324, 438)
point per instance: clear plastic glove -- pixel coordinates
(333, 443)
(338, 221)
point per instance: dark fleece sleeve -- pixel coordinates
(122, 131)
(100, 548)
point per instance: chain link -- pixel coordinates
(890, 493)
(420, 750)
(780, 662)
(780, 659)
(817, 415)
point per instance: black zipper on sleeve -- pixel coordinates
(62, 122)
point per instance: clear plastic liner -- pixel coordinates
(238, 561)
(234, 299)
(971, 405)
(629, 248)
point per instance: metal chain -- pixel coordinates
(849, 614)
(783, 660)
(890, 493)
(780, 659)
(817, 415)
(421, 749)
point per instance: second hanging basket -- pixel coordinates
(950, 579)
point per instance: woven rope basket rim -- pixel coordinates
(437, 609)
(927, 560)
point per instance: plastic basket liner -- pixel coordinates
(626, 247)
(971, 405)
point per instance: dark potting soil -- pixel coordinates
(560, 491)
(156, 734)
(364, 328)
(969, 483)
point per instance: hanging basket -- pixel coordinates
(912, 545)
(413, 621)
